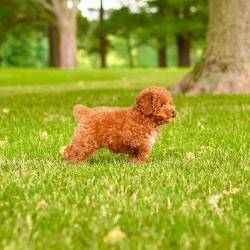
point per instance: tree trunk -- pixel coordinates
(65, 13)
(102, 38)
(183, 46)
(102, 50)
(226, 62)
(161, 40)
(162, 49)
(54, 55)
(67, 25)
(67, 31)
(130, 55)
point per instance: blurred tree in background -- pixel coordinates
(190, 23)
(54, 33)
(167, 20)
(159, 27)
(19, 48)
(64, 28)
(123, 23)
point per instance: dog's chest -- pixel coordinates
(152, 137)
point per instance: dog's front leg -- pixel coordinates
(140, 154)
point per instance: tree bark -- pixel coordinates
(161, 40)
(65, 18)
(226, 62)
(130, 55)
(183, 46)
(162, 49)
(54, 55)
(102, 38)
(102, 51)
(67, 43)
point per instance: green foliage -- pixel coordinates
(191, 17)
(169, 202)
(170, 17)
(83, 27)
(122, 22)
(23, 39)
(157, 18)
(146, 57)
(24, 49)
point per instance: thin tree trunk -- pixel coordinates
(161, 40)
(102, 38)
(67, 31)
(102, 50)
(162, 50)
(225, 64)
(183, 46)
(130, 55)
(54, 55)
(65, 14)
(67, 25)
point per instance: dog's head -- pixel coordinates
(156, 103)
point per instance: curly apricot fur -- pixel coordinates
(121, 130)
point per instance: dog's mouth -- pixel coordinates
(169, 119)
(171, 115)
(164, 119)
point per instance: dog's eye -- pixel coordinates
(162, 105)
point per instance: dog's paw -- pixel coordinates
(136, 161)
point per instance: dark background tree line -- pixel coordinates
(50, 32)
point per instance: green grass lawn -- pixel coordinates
(169, 202)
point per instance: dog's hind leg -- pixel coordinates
(77, 152)
(83, 145)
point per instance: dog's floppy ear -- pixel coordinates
(144, 103)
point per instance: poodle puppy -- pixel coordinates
(131, 130)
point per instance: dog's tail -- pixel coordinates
(79, 110)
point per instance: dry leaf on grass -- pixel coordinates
(5, 110)
(200, 125)
(203, 149)
(43, 135)
(3, 143)
(46, 119)
(114, 236)
(213, 200)
(42, 204)
(190, 156)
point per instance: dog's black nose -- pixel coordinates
(173, 113)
